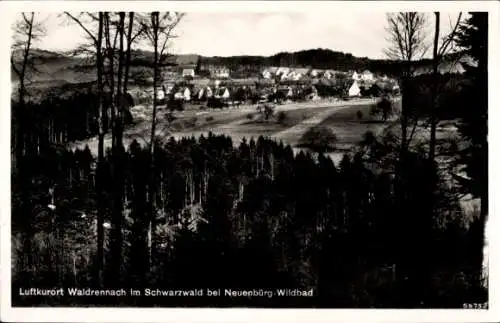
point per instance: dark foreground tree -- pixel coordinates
(473, 37)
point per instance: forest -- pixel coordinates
(382, 229)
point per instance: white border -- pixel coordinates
(8, 314)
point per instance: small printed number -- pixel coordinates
(475, 306)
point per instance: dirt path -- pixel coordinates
(293, 134)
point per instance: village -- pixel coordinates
(216, 86)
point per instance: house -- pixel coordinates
(183, 93)
(160, 94)
(355, 76)
(367, 76)
(316, 73)
(170, 75)
(219, 72)
(286, 91)
(266, 74)
(298, 73)
(313, 95)
(170, 72)
(291, 76)
(188, 72)
(453, 67)
(395, 86)
(354, 89)
(222, 93)
(168, 87)
(269, 72)
(205, 93)
(283, 72)
(186, 94)
(329, 74)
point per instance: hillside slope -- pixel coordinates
(53, 66)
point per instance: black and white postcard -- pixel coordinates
(215, 160)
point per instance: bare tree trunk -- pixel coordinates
(21, 117)
(435, 65)
(155, 27)
(23, 176)
(100, 156)
(117, 238)
(110, 54)
(129, 51)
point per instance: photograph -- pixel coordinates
(279, 159)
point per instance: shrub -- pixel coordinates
(215, 103)
(281, 117)
(319, 139)
(268, 110)
(250, 116)
(170, 117)
(383, 108)
(209, 119)
(175, 105)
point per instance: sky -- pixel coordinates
(251, 33)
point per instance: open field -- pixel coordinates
(235, 122)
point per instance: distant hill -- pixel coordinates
(312, 58)
(59, 67)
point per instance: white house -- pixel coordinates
(354, 90)
(222, 93)
(188, 72)
(269, 72)
(328, 74)
(315, 72)
(170, 75)
(186, 94)
(168, 88)
(220, 72)
(266, 74)
(283, 72)
(178, 96)
(299, 73)
(200, 93)
(208, 92)
(292, 75)
(287, 91)
(183, 94)
(355, 76)
(205, 92)
(367, 76)
(160, 94)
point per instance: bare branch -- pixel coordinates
(13, 64)
(79, 22)
(406, 36)
(449, 39)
